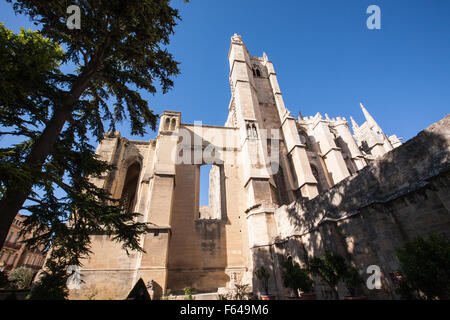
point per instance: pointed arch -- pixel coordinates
(304, 139)
(130, 186)
(139, 291)
(167, 124)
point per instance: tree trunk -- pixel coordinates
(13, 201)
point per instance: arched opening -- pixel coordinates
(167, 124)
(315, 173)
(130, 186)
(210, 191)
(256, 71)
(304, 139)
(173, 124)
(251, 130)
(139, 291)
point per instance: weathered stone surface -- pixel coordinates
(278, 186)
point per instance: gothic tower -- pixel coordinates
(261, 159)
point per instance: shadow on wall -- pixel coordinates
(399, 171)
(198, 254)
(399, 196)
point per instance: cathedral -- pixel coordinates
(278, 185)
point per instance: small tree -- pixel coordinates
(263, 276)
(52, 284)
(21, 277)
(295, 277)
(241, 292)
(331, 268)
(188, 293)
(425, 268)
(353, 280)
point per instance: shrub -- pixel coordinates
(425, 268)
(188, 293)
(331, 268)
(52, 284)
(295, 277)
(263, 276)
(352, 280)
(21, 277)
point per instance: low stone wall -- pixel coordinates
(13, 294)
(365, 217)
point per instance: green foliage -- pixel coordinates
(241, 292)
(295, 277)
(263, 276)
(353, 280)
(120, 49)
(425, 267)
(332, 268)
(29, 67)
(52, 283)
(188, 293)
(21, 277)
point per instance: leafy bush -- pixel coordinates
(295, 277)
(425, 268)
(188, 293)
(352, 280)
(52, 284)
(21, 277)
(263, 276)
(240, 292)
(331, 268)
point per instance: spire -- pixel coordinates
(368, 117)
(355, 126)
(237, 39)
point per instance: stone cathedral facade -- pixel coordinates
(266, 164)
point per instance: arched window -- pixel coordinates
(173, 124)
(304, 139)
(256, 71)
(130, 186)
(315, 173)
(167, 124)
(251, 130)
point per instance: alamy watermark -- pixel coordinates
(374, 20)
(374, 280)
(74, 20)
(74, 280)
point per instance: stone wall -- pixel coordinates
(366, 216)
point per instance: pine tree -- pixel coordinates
(119, 49)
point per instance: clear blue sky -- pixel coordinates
(326, 59)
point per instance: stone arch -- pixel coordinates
(256, 71)
(130, 186)
(167, 124)
(304, 139)
(316, 175)
(173, 124)
(251, 130)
